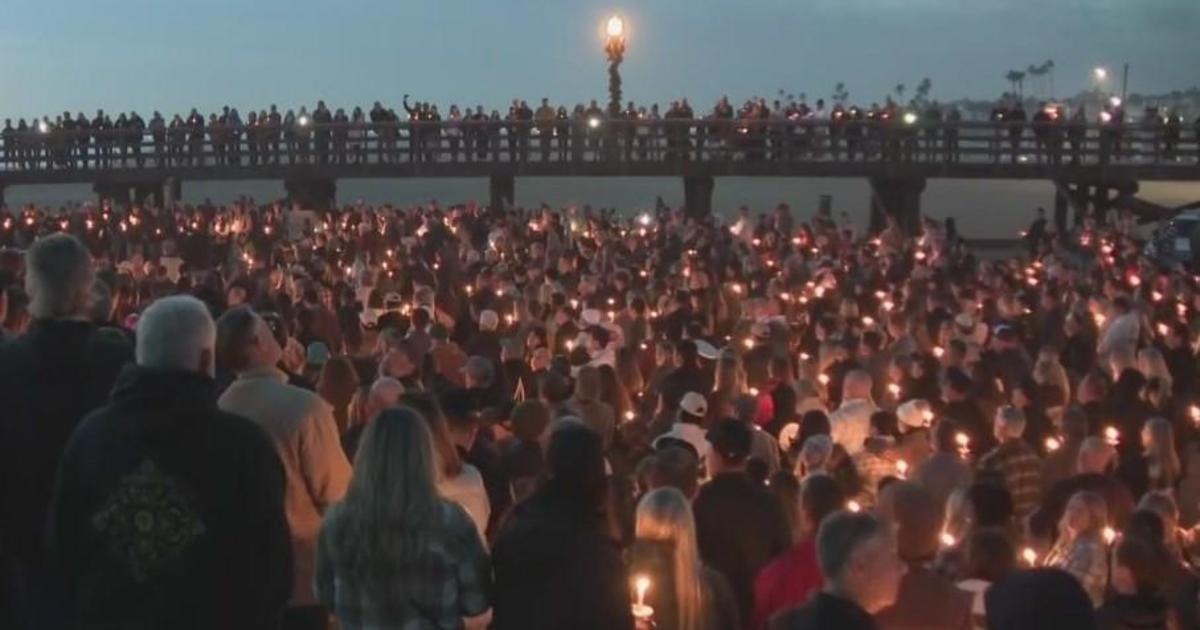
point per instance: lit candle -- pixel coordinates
(640, 610)
(963, 441)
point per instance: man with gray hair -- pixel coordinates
(168, 512)
(850, 424)
(1014, 461)
(858, 557)
(58, 371)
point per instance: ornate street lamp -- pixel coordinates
(615, 48)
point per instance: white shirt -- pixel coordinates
(850, 425)
(468, 491)
(1122, 330)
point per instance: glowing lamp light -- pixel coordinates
(823, 379)
(43, 127)
(1194, 412)
(1105, 117)
(853, 506)
(888, 305)
(754, 391)
(964, 442)
(737, 288)
(615, 27)
(1135, 281)
(1163, 329)
(644, 219)
(1100, 73)
(1052, 444)
(868, 321)
(1110, 535)
(629, 415)
(894, 389)
(804, 356)
(947, 539)
(902, 468)
(939, 351)
(570, 345)
(749, 343)
(1112, 436)
(303, 121)
(1029, 556)
(1156, 296)
(910, 118)
(1115, 101)
(593, 122)
(927, 416)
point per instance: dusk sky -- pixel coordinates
(172, 55)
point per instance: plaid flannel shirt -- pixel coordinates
(1022, 471)
(421, 579)
(1086, 558)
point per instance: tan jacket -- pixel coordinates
(302, 428)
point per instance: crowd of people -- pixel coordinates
(419, 132)
(252, 416)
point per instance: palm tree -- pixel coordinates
(839, 92)
(923, 89)
(1048, 66)
(900, 87)
(1012, 77)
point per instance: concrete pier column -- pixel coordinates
(697, 195)
(502, 191)
(899, 198)
(312, 194)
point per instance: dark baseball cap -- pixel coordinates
(731, 438)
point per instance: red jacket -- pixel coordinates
(787, 581)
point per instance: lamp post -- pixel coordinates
(614, 47)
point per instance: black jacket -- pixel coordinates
(50, 378)
(824, 612)
(556, 569)
(168, 513)
(1132, 612)
(740, 527)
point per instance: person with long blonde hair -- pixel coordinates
(1162, 459)
(393, 553)
(1081, 549)
(1159, 384)
(702, 598)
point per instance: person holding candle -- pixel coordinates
(1081, 549)
(702, 598)
(925, 599)
(555, 564)
(1136, 600)
(990, 556)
